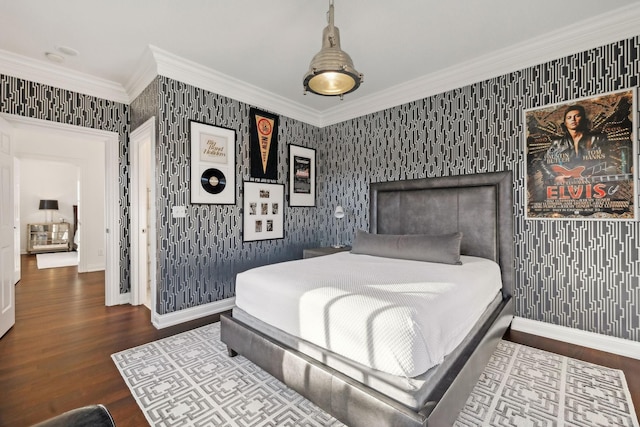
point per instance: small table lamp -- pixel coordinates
(339, 214)
(48, 206)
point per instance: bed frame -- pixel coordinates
(480, 206)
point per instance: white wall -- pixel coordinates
(36, 145)
(44, 179)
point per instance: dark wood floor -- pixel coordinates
(58, 355)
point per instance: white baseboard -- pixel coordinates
(123, 299)
(91, 268)
(164, 320)
(600, 342)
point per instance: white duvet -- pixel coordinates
(397, 316)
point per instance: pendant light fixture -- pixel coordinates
(331, 72)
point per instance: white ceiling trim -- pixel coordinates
(142, 76)
(186, 71)
(617, 25)
(60, 77)
(604, 29)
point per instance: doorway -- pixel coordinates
(109, 143)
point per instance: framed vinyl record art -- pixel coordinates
(263, 211)
(580, 159)
(302, 176)
(213, 150)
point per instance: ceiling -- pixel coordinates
(258, 51)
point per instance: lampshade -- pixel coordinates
(48, 205)
(339, 213)
(331, 72)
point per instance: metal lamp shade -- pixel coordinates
(331, 72)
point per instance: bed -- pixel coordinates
(361, 390)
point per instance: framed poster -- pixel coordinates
(263, 213)
(302, 176)
(580, 159)
(213, 160)
(263, 151)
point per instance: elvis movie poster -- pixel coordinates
(580, 159)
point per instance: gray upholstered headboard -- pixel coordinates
(479, 205)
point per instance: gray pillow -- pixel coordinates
(443, 248)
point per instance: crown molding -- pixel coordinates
(175, 67)
(608, 28)
(142, 76)
(57, 76)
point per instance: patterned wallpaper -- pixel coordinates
(145, 106)
(579, 274)
(200, 255)
(38, 101)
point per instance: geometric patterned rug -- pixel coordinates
(188, 380)
(524, 386)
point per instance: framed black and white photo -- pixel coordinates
(580, 159)
(263, 213)
(213, 178)
(302, 176)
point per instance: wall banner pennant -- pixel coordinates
(264, 144)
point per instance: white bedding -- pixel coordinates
(397, 316)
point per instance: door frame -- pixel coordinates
(145, 132)
(7, 230)
(111, 143)
(16, 221)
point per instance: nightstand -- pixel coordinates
(314, 252)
